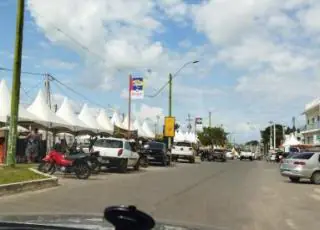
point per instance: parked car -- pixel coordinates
(117, 152)
(305, 165)
(156, 152)
(183, 150)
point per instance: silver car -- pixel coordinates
(304, 165)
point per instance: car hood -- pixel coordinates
(90, 222)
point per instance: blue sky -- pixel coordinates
(258, 61)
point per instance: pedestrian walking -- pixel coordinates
(33, 145)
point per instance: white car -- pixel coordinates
(246, 155)
(117, 152)
(183, 150)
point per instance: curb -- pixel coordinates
(32, 185)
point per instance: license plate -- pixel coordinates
(151, 158)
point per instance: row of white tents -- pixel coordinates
(66, 119)
(187, 137)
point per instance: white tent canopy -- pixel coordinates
(125, 124)
(137, 126)
(41, 110)
(66, 113)
(104, 121)
(291, 140)
(178, 136)
(86, 117)
(115, 120)
(147, 130)
(5, 105)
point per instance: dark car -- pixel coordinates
(156, 152)
(219, 155)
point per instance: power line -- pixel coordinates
(77, 93)
(23, 72)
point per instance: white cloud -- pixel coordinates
(59, 64)
(268, 45)
(149, 112)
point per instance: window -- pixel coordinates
(155, 145)
(302, 156)
(184, 144)
(106, 143)
(127, 146)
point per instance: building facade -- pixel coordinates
(311, 130)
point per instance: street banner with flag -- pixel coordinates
(136, 87)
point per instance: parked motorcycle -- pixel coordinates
(57, 161)
(205, 155)
(144, 162)
(93, 159)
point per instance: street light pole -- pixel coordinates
(170, 106)
(169, 82)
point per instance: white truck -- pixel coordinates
(183, 150)
(247, 155)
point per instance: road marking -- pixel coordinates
(290, 223)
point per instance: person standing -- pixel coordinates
(33, 145)
(2, 149)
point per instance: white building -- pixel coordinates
(311, 131)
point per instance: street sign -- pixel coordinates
(136, 87)
(169, 123)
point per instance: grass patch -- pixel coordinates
(18, 174)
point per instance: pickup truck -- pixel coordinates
(246, 155)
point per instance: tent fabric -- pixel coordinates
(41, 110)
(125, 124)
(104, 121)
(137, 126)
(86, 117)
(291, 140)
(115, 120)
(147, 130)
(5, 102)
(67, 113)
(178, 136)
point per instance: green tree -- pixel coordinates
(253, 143)
(265, 135)
(213, 136)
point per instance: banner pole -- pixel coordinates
(129, 105)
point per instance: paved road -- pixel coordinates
(233, 195)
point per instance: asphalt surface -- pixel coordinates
(232, 195)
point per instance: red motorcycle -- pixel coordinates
(57, 161)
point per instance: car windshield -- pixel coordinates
(302, 156)
(184, 144)
(142, 100)
(107, 143)
(154, 145)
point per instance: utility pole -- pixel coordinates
(210, 119)
(274, 135)
(189, 123)
(15, 91)
(158, 120)
(270, 136)
(48, 100)
(170, 106)
(48, 89)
